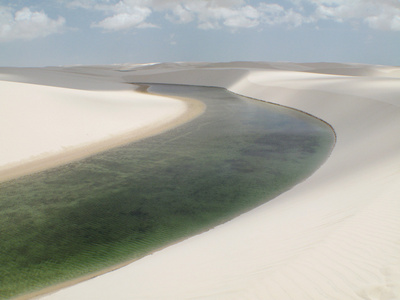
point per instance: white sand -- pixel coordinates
(334, 236)
(40, 125)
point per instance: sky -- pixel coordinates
(87, 32)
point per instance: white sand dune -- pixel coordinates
(334, 236)
(50, 117)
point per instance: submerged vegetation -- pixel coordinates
(124, 203)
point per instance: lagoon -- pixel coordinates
(129, 201)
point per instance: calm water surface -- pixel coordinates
(121, 204)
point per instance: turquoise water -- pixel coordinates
(121, 204)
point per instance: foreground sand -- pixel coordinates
(334, 236)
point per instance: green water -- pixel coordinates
(121, 204)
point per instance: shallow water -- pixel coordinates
(121, 204)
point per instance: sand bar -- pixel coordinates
(45, 126)
(334, 236)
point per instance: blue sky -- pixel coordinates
(61, 32)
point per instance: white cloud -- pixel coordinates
(132, 17)
(214, 14)
(384, 22)
(246, 17)
(27, 25)
(207, 14)
(231, 13)
(163, 4)
(125, 14)
(274, 14)
(382, 14)
(87, 4)
(180, 14)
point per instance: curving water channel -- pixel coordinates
(121, 204)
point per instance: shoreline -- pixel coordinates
(62, 285)
(194, 108)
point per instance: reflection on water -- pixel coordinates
(128, 201)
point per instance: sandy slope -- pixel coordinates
(50, 117)
(334, 236)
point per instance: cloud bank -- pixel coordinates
(116, 15)
(207, 14)
(382, 15)
(25, 24)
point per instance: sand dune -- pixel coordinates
(47, 119)
(334, 236)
